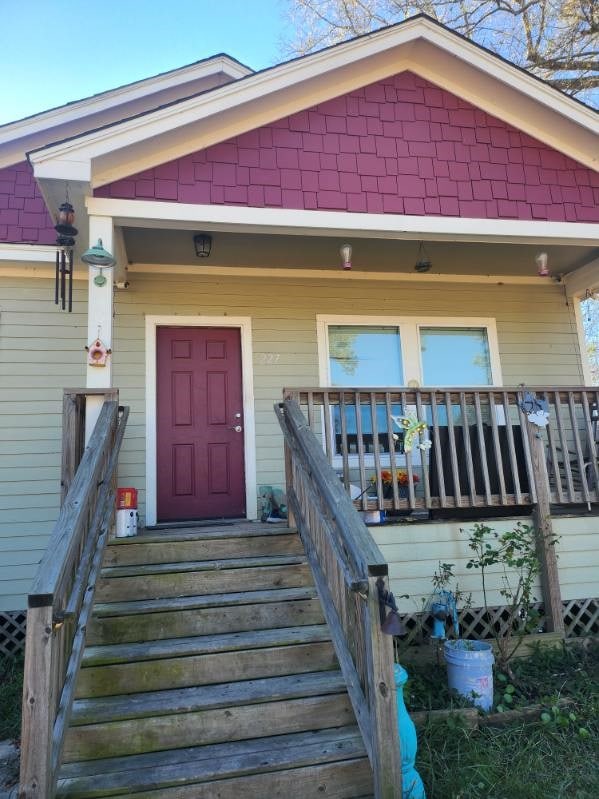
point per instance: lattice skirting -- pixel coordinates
(581, 617)
(12, 632)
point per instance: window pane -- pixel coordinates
(455, 356)
(361, 355)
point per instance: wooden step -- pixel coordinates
(217, 580)
(178, 567)
(210, 614)
(201, 547)
(133, 724)
(144, 606)
(220, 764)
(188, 700)
(181, 662)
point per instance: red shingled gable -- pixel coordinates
(400, 146)
(24, 218)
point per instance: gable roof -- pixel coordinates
(142, 96)
(420, 44)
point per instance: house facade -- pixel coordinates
(413, 146)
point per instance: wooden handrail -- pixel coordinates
(60, 604)
(480, 452)
(349, 572)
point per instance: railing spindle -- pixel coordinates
(579, 454)
(360, 442)
(468, 450)
(392, 459)
(344, 446)
(592, 464)
(409, 464)
(424, 460)
(457, 489)
(553, 457)
(565, 451)
(497, 448)
(438, 452)
(376, 449)
(512, 448)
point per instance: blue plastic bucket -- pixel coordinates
(470, 670)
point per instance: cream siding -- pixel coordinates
(41, 351)
(536, 330)
(414, 550)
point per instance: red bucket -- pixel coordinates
(126, 498)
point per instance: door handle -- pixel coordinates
(238, 428)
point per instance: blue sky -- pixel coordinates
(52, 52)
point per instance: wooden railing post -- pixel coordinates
(541, 514)
(346, 564)
(38, 706)
(386, 765)
(289, 484)
(60, 602)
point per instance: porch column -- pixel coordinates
(99, 320)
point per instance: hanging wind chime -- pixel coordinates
(65, 241)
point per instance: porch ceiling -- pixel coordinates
(175, 247)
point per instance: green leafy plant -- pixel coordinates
(514, 554)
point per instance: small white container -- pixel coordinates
(126, 522)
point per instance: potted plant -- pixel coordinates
(401, 477)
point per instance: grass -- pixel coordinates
(11, 688)
(552, 758)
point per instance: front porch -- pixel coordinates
(460, 453)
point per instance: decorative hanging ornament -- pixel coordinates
(63, 282)
(536, 410)
(97, 353)
(412, 432)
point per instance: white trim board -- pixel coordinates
(280, 273)
(334, 274)
(410, 343)
(33, 253)
(243, 219)
(244, 324)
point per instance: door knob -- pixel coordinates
(238, 428)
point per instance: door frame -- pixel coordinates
(244, 325)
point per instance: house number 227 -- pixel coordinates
(270, 357)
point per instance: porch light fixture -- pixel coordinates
(203, 244)
(345, 252)
(101, 258)
(541, 261)
(65, 242)
(423, 262)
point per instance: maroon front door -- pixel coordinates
(200, 465)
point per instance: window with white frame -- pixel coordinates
(359, 352)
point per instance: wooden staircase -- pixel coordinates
(209, 673)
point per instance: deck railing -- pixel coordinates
(472, 449)
(351, 576)
(60, 603)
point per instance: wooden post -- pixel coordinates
(73, 437)
(289, 483)
(386, 754)
(38, 706)
(541, 515)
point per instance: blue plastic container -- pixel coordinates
(470, 670)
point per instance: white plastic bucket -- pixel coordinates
(126, 522)
(470, 670)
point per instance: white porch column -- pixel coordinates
(99, 319)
